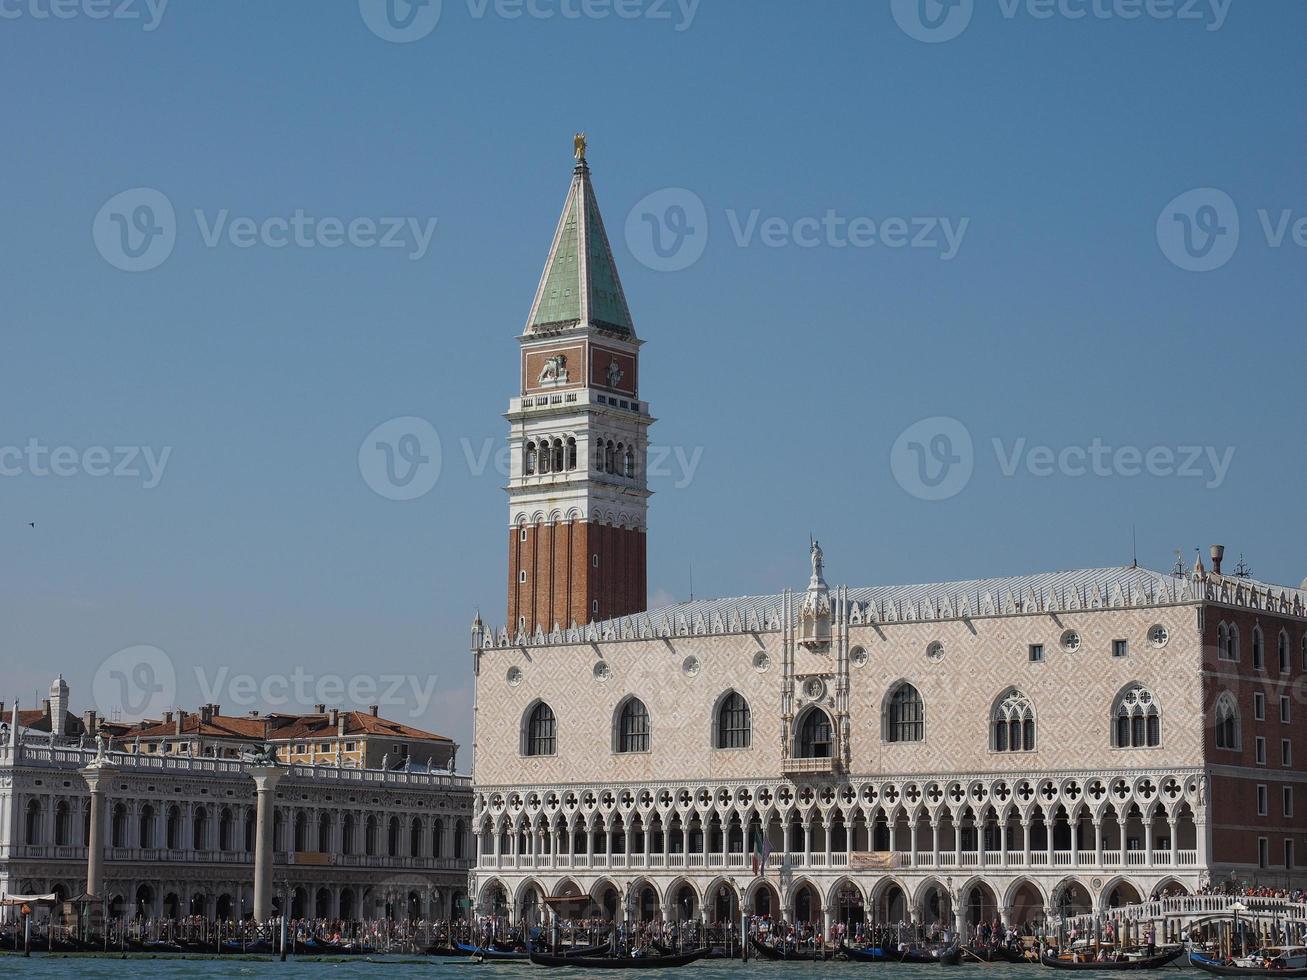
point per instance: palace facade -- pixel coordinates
(1024, 747)
(179, 829)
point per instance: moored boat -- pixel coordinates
(1275, 961)
(638, 962)
(790, 952)
(1125, 961)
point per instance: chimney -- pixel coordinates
(89, 719)
(181, 717)
(1218, 552)
(332, 716)
(319, 709)
(340, 724)
(373, 709)
(167, 717)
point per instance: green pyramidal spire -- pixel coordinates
(580, 283)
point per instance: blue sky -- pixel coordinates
(1056, 145)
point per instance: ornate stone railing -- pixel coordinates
(1202, 906)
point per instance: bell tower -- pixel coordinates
(577, 493)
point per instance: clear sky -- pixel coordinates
(1078, 309)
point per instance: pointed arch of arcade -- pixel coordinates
(932, 901)
(648, 902)
(721, 900)
(888, 900)
(1170, 886)
(1026, 899)
(1071, 896)
(1119, 890)
(847, 900)
(486, 899)
(794, 901)
(675, 897)
(762, 898)
(978, 900)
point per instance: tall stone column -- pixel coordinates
(266, 779)
(95, 774)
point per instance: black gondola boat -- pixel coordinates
(1141, 963)
(769, 952)
(618, 962)
(1230, 970)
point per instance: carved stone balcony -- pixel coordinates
(812, 767)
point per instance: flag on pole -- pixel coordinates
(761, 852)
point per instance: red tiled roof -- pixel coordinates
(276, 727)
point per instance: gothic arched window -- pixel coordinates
(734, 723)
(633, 727)
(1259, 649)
(816, 737)
(1013, 723)
(905, 715)
(541, 731)
(1282, 651)
(1137, 719)
(1227, 728)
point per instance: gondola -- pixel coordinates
(949, 955)
(261, 946)
(490, 953)
(869, 954)
(1141, 963)
(996, 953)
(618, 962)
(1230, 970)
(769, 952)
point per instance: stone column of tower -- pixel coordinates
(578, 492)
(266, 779)
(94, 774)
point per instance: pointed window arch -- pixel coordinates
(1259, 649)
(540, 734)
(1012, 724)
(1282, 652)
(734, 722)
(1136, 719)
(904, 715)
(633, 726)
(571, 453)
(530, 462)
(816, 735)
(1228, 732)
(1223, 643)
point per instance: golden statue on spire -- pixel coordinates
(578, 147)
